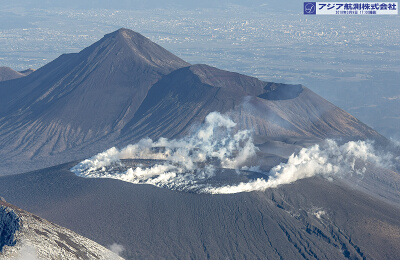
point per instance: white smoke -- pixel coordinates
(394, 142)
(328, 159)
(189, 163)
(116, 249)
(180, 163)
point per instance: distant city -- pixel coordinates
(320, 52)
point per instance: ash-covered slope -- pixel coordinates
(7, 73)
(121, 67)
(312, 218)
(188, 95)
(80, 98)
(27, 236)
(125, 87)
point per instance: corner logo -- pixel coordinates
(310, 7)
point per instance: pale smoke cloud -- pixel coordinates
(186, 164)
(116, 249)
(328, 159)
(395, 142)
(182, 163)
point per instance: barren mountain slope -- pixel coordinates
(189, 94)
(312, 218)
(31, 237)
(80, 98)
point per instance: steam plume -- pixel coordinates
(328, 159)
(187, 164)
(181, 163)
(116, 249)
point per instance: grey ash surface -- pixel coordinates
(125, 87)
(7, 73)
(312, 218)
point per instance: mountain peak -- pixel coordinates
(121, 30)
(125, 30)
(7, 73)
(139, 49)
(125, 87)
(95, 92)
(126, 34)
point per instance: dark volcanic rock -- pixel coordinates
(311, 218)
(279, 91)
(9, 225)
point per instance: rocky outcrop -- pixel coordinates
(9, 225)
(27, 236)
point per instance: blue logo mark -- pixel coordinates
(310, 7)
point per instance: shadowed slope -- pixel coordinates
(82, 97)
(7, 73)
(124, 63)
(305, 115)
(125, 87)
(311, 218)
(275, 110)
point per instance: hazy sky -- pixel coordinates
(267, 5)
(139, 4)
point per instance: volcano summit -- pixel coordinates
(179, 161)
(125, 87)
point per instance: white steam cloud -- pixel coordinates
(328, 159)
(395, 142)
(116, 249)
(190, 163)
(177, 164)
